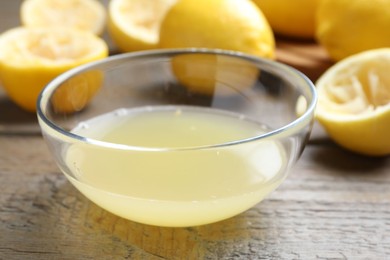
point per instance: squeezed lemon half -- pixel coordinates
(135, 24)
(354, 102)
(87, 15)
(31, 57)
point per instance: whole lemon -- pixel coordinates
(348, 27)
(237, 25)
(210, 74)
(290, 18)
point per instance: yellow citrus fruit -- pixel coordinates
(237, 25)
(75, 93)
(347, 27)
(135, 24)
(290, 18)
(31, 57)
(210, 74)
(82, 14)
(354, 102)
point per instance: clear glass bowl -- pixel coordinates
(177, 137)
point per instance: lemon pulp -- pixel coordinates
(31, 57)
(135, 24)
(354, 102)
(87, 15)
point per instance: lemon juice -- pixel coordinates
(166, 166)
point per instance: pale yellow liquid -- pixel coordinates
(180, 187)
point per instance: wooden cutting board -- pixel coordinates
(307, 56)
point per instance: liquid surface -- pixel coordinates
(169, 127)
(174, 187)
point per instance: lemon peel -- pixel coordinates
(75, 94)
(354, 102)
(210, 74)
(135, 24)
(290, 18)
(348, 27)
(31, 57)
(237, 25)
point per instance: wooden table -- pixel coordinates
(334, 204)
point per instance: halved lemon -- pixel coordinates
(81, 14)
(31, 57)
(354, 102)
(135, 24)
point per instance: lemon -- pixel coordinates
(210, 74)
(75, 93)
(291, 18)
(31, 57)
(82, 14)
(347, 27)
(354, 102)
(236, 25)
(135, 24)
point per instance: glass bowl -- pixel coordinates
(180, 137)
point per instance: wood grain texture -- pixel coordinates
(333, 205)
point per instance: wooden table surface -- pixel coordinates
(334, 204)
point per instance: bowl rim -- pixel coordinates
(293, 126)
